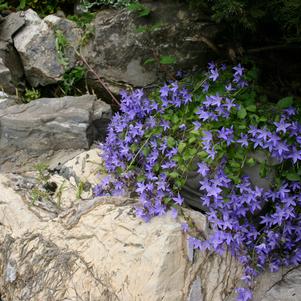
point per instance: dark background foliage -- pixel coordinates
(267, 32)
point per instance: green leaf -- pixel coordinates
(293, 177)
(134, 147)
(234, 164)
(251, 162)
(167, 60)
(181, 147)
(191, 139)
(141, 178)
(262, 119)
(174, 174)
(285, 102)
(149, 61)
(22, 4)
(202, 154)
(175, 118)
(187, 155)
(145, 12)
(263, 171)
(179, 182)
(251, 108)
(146, 151)
(170, 141)
(142, 29)
(156, 167)
(242, 113)
(193, 151)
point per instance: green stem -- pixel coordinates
(136, 155)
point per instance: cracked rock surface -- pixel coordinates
(71, 246)
(48, 125)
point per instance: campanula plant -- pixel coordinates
(214, 123)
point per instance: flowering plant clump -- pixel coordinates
(216, 124)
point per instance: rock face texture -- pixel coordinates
(11, 68)
(39, 51)
(71, 246)
(123, 41)
(36, 45)
(6, 101)
(51, 124)
(5, 79)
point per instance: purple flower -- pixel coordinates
(244, 294)
(282, 126)
(211, 65)
(212, 190)
(243, 140)
(239, 70)
(203, 169)
(165, 124)
(214, 74)
(213, 100)
(290, 111)
(295, 155)
(229, 87)
(164, 91)
(185, 227)
(174, 87)
(229, 104)
(178, 200)
(203, 115)
(141, 187)
(263, 134)
(205, 86)
(226, 134)
(197, 125)
(281, 148)
(182, 126)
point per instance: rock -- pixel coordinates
(5, 79)
(51, 124)
(6, 101)
(96, 249)
(11, 68)
(118, 49)
(195, 293)
(36, 45)
(287, 289)
(10, 25)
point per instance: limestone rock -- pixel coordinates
(36, 45)
(287, 289)
(123, 42)
(6, 100)
(96, 249)
(51, 124)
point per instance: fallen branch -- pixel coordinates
(97, 77)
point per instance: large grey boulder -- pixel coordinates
(51, 124)
(36, 45)
(119, 49)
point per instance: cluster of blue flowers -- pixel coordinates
(154, 140)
